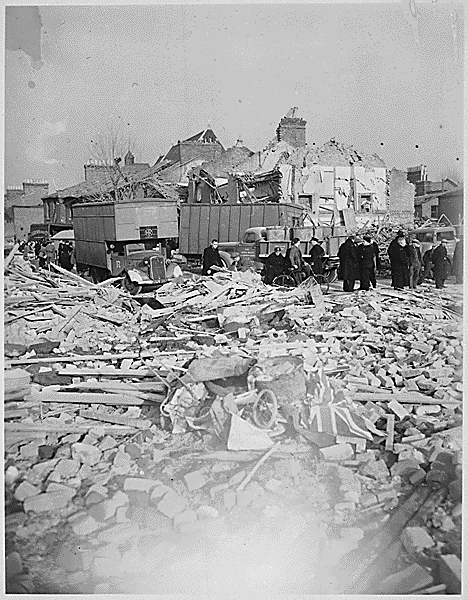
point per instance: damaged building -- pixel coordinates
(332, 181)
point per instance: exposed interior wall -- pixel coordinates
(401, 198)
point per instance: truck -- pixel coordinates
(44, 231)
(200, 223)
(126, 239)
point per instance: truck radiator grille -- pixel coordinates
(158, 269)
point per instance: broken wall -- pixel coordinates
(401, 198)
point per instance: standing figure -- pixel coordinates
(366, 255)
(457, 262)
(50, 253)
(400, 264)
(415, 263)
(427, 264)
(297, 263)
(211, 258)
(392, 250)
(441, 264)
(373, 279)
(275, 265)
(349, 264)
(65, 257)
(316, 256)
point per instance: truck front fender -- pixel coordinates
(138, 277)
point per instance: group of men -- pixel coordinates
(409, 268)
(45, 253)
(358, 262)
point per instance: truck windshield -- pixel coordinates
(425, 236)
(135, 248)
(445, 235)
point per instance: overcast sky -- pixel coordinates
(371, 75)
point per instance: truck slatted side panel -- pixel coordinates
(193, 231)
(203, 230)
(200, 223)
(214, 223)
(234, 223)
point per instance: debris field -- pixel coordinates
(223, 435)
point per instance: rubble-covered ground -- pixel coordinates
(141, 455)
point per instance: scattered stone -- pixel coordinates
(450, 572)
(337, 452)
(122, 463)
(85, 525)
(66, 468)
(13, 564)
(195, 480)
(172, 504)
(376, 469)
(26, 490)
(64, 489)
(86, 454)
(140, 484)
(46, 502)
(416, 539)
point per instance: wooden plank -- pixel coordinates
(29, 312)
(70, 318)
(402, 398)
(390, 432)
(78, 358)
(10, 256)
(86, 398)
(116, 419)
(38, 427)
(72, 276)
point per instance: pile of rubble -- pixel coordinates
(215, 437)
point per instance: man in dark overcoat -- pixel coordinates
(316, 256)
(366, 255)
(211, 258)
(441, 264)
(400, 264)
(349, 264)
(275, 265)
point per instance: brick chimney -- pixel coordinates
(13, 194)
(35, 188)
(292, 130)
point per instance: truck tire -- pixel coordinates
(226, 258)
(130, 286)
(98, 274)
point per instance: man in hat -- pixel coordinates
(441, 264)
(457, 262)
(415, 263)
(296, 261)
(211, 258)
(366, 263)
(275, 265)
(349, 263)
(400, 264)
(393, 250)
(316, 256)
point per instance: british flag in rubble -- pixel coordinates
(330, 412)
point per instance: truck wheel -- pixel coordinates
(98, 274)
(331, 276)
(130, 286)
